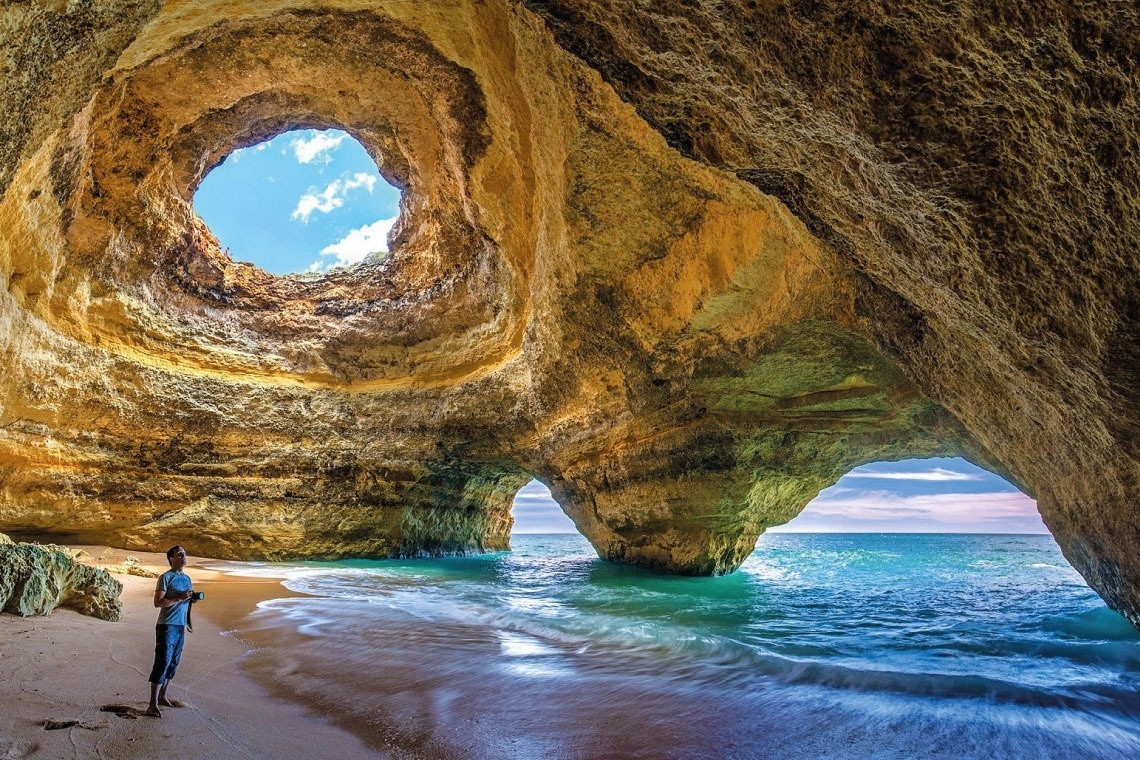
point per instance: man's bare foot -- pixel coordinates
(152, 712)
(171, 703)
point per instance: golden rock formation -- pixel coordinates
(687, 263)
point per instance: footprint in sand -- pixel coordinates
(123, 711)
(11, 749)
(56, 725)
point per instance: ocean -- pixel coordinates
(820, 646)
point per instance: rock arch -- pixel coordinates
(687, 292)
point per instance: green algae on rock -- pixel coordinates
(36, 579)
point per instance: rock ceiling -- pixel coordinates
(686, 262)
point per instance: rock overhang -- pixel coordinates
(505, 211)
(677, 355)
(125, 174)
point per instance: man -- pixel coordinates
(173, 594)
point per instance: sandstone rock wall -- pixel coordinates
(686, 263)
(975, 165)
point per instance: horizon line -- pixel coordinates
(842, 532)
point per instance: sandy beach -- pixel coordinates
(546, 652)
(66, 667)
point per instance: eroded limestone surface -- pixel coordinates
(686, 263)
(34, 580)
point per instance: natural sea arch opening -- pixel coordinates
(536, 512)
(306, 201)
(935, 495)
(938, 495)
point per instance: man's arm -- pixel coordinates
(160, 599)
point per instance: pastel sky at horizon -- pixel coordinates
(942, 495)
(313, 200)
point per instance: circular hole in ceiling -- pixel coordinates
(306, 201)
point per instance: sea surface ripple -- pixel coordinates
(822, 645)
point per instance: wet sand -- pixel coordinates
(66, 667)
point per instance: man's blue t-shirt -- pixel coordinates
(173, 580)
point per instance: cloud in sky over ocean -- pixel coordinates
(916, 496)
(316, 146)
(920, 496)
(355, 246)
(332, 197)
(838, 509)
(936, 474)
(535, 511)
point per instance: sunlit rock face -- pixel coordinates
(974, 165)
(688, 264)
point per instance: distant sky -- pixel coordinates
(310, 200)
(305, 201)
(535, 511)
(912, 496)
(919, 496)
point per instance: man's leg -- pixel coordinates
(175, 638)
(152, 710)
(162, 699)
(163, 650)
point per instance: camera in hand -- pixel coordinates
(198, 596)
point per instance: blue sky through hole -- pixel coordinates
(945, 495)
(306, 201)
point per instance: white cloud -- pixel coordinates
(852, 509)
(533, 490)
(241, 153)
(937, 474)
(948, 507)
(535, 511)
(360, 179)
(353, 247)
(319, 147)
(332, 197)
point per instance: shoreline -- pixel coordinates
(65, 667)
(424, 660)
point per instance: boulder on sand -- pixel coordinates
(36, 579)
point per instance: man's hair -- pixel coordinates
(171, 550)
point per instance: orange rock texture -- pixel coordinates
(685, 262)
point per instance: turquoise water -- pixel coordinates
(822, 645)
